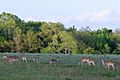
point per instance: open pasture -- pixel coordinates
(67, 68)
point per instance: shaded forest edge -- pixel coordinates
(17, 35)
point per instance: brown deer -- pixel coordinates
(84, 60)
(11, 59)
(108, 64)
(91, 62)
(87, 61)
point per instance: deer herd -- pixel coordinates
(106, 64)
(88, 61)
(14, 58)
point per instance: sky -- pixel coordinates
(80, 13)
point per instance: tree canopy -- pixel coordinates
(16, 35)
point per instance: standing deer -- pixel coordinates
(54, 61)
(24, 58)
(108, 64)
(84, 60)
(38, 58)
(87, 61)
(5, 56)
(91, 62)
(10, 59)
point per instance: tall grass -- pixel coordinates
(66, 69)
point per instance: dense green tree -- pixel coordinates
(62, 43)
(88, 50)
(30, 41)
(7, 25)
(16, 35)
(17, 38)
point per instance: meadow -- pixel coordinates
(66, 69)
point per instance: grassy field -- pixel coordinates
(66, 69)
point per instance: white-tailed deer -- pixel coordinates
(5, 56)
(91, 62)
(84, 60)
(87, 61)
(11, 59)
(108, 64)
(54, 61)
(24, 58)
(38, 58)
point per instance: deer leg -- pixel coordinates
(113, 67)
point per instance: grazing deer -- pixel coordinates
(38, 58)
(10, 59)
(84, 60)
(53, 61)
(91, 62)
(87, 61)
(108, 65)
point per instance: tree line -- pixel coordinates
(17, 35)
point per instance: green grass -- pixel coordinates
(66, 69)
